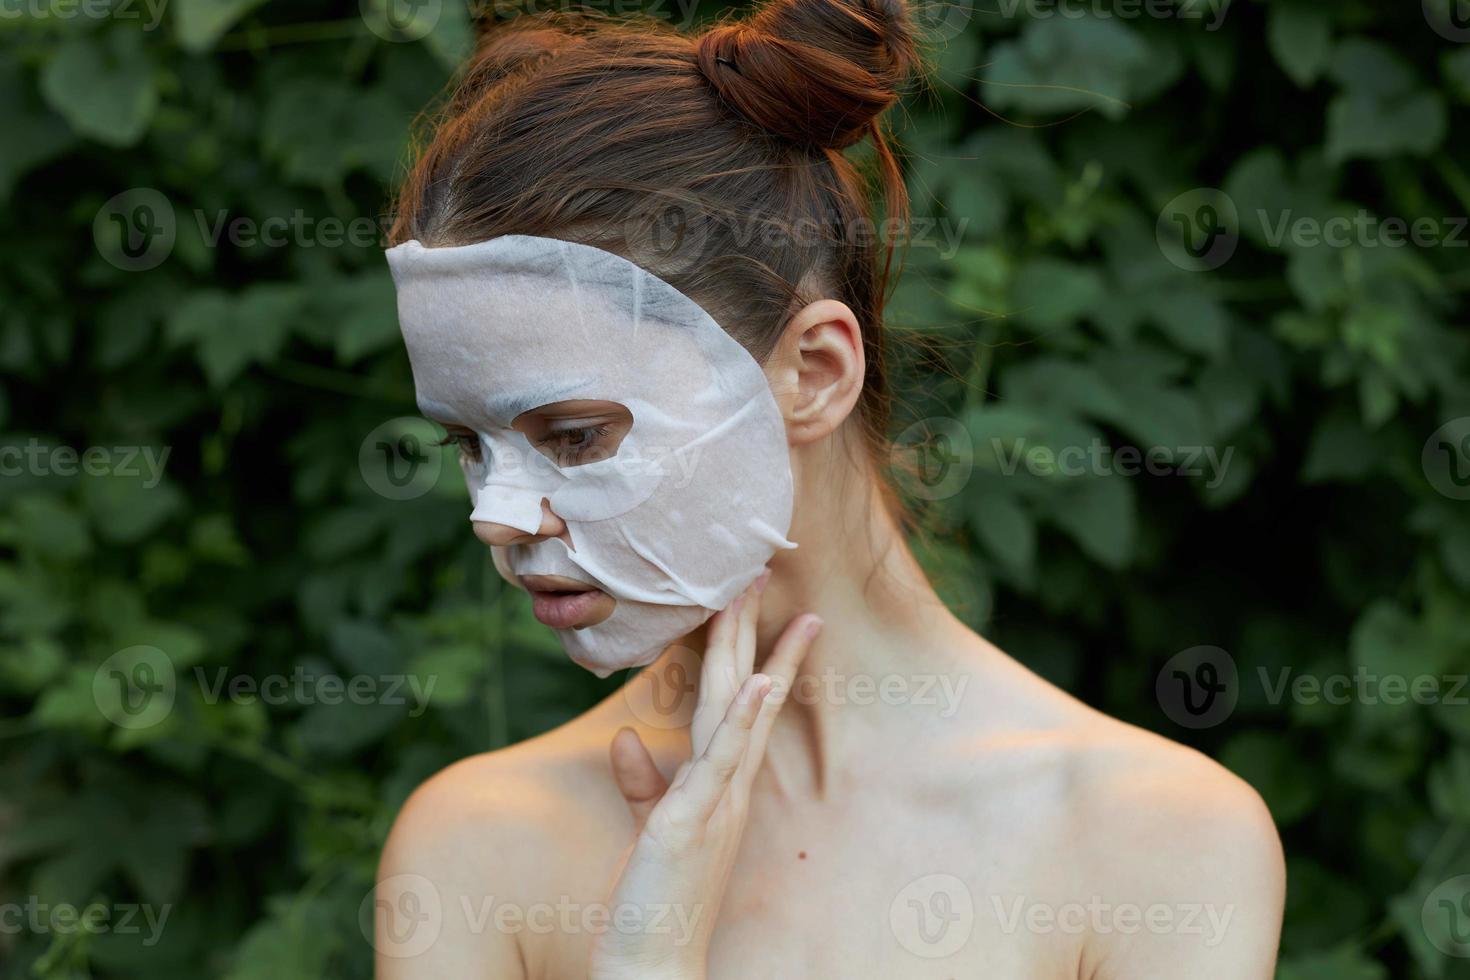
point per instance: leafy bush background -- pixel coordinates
(1060, 139)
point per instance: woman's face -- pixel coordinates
(625, 457)
(569, 433)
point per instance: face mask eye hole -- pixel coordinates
(467, 441)
(576, 433)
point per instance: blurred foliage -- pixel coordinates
(1055, 147)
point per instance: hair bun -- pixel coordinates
(814, 72)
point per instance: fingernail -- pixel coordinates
(814, 625)
(760, 583)
(754, 688)
(739, 601)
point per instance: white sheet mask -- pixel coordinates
(698, 496)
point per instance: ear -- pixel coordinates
(817, 370)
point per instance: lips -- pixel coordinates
(563, 603)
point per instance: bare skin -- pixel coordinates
(1072, 845)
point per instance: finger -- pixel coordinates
(723, 625)
(705, 782)
(638, 779)
(749, 616)
(719, 677)
(717, 669)
(791, 648)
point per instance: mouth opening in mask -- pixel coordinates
(566, 603)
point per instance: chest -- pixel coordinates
(923, 899)
(891, 893)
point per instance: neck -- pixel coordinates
(889, 645)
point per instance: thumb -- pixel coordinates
(638, 779)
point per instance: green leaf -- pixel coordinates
(1063, 64)
(229, 333)
(70, 705)
(1192, 318)
(1215, 53)
(337, 725)
(318, 130)
(365, 648)
(979, 199)
(160, 840)
(1300, 37)
(1050, 294)
(1449, 787)
(214, 539)
(1370, 68)
(1367, 126)
(1454, 551)
(30, 666)
(33, 133)
(1007, 530)
(199, 23)
(455, 673)
(1316, 277)
(364, 314)
(1069, 385)
(1456, 68)
(1344, 963)
(1441, 886)
(1231, 397)
(1340, 449)
(1377, 396)
(51, 530)
(982, 281)
(1100, 515)
(297, 939)
(452, 38)
(103, 84)
(126, 507)
(1285, 780)
(1389, 646)
(74, 875)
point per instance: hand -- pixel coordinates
(689, 830)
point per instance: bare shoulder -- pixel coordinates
(1116, 784)
(1164, 861)
(484, 807)
(482, 841)
(1123, 774)
(1181, 853)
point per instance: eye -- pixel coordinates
(468, 442)
(577, 445)
(575, 433)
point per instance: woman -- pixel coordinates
(831, 776)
